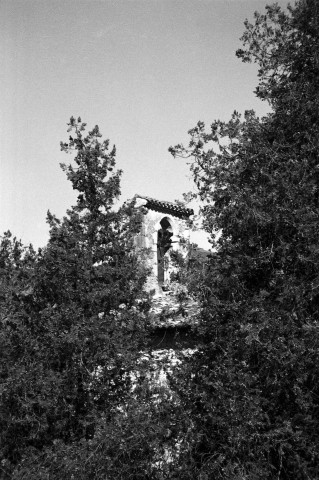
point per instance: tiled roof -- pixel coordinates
(167, 207)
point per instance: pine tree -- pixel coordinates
(74, 318)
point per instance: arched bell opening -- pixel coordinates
(164, 243)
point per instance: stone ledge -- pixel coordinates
(168, 311)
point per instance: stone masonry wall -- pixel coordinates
(148, 240)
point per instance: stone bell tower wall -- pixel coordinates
(172, 221)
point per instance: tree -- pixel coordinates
(252, 388)
(74, 319)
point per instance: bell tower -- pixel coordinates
(165, 227)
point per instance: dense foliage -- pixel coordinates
(252, 390)
(245, 405)
(72, 320)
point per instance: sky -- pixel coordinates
(145, 71)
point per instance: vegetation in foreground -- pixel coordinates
(72, 314)
(252, 390)
(245, 406)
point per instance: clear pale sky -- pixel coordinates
(145, 71)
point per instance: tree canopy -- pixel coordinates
(72, 313)
(254, 381)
